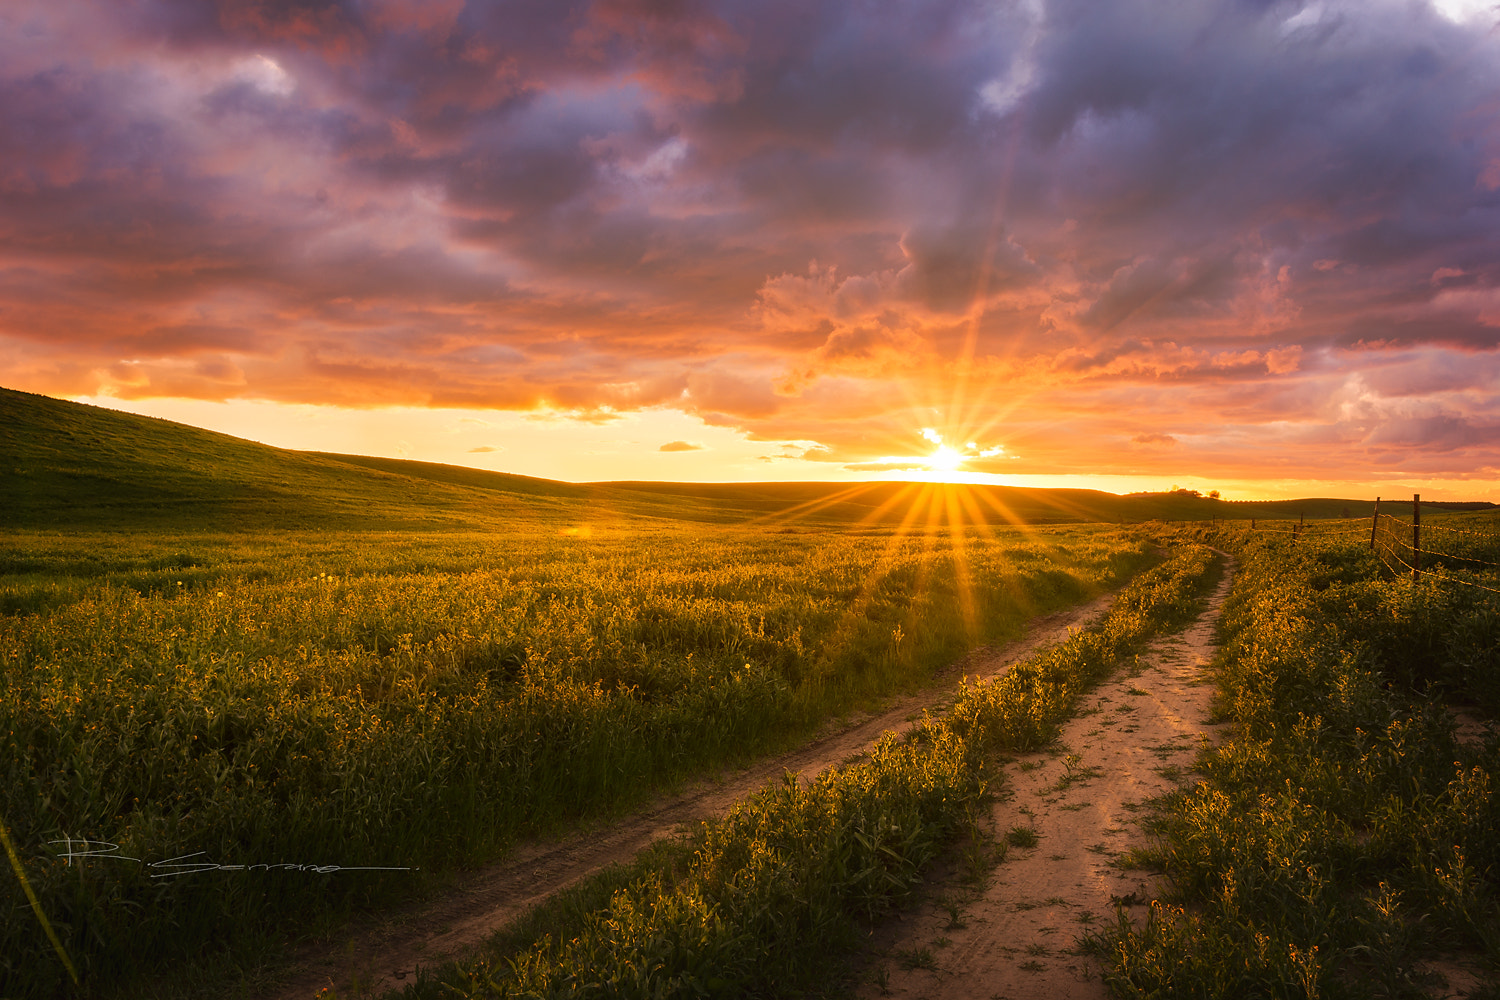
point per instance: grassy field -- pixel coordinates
(1346, 842)
(218, 654)
(767, 901)
(70, 466)
(398, 700)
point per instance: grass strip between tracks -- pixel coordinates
(759, 902)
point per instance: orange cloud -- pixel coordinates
(833, 227)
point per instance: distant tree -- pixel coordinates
(1213, 494)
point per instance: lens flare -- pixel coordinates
(946, 459)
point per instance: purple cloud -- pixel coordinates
(811, 222)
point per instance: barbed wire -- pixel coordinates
(1388, 534)
(1429, 550)
(1467, 583)
(1387, 528)
(1396, 556)
(1493, 536)
(1449, 555)
(1432, 572)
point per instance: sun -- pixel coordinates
(945, 459)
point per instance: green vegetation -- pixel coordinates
(281, 657)
(1345, 838)
(67, 466)
(761, 902)
(423, 700)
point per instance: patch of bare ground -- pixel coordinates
(1073, 813)
(378, 955)
(1469, 728)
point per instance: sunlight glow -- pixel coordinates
(948, 459)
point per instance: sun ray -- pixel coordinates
(926, 510)
(881, 568)
(960, 556)
(976, 514)
(816, 505)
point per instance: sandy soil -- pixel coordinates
(1469, 726)
(1016, 936)
(375, 956)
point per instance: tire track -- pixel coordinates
(376, 955)
(1075, 808)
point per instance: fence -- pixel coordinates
(1459, 556)
(1447, 554)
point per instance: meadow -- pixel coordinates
(773, 899)
(422, 700)
(232, 663)
(1346, 841)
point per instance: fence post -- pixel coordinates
(1416, 535)
(1374, 522)
(1300, 519)
(1252, 524)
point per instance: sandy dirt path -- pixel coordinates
(1016, 937)
(375, 956)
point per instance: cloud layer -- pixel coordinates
(1238, 238)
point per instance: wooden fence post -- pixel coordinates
(1416, 535)
(1374, 522)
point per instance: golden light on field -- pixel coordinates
(946, 519)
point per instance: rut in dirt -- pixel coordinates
(377, 956)
(1071, 815)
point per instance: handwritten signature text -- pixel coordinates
(197, 862)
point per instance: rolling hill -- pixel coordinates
(65, 464)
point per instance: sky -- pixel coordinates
(1250, 245)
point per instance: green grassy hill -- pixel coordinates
(65, 464)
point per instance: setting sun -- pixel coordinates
(448, 446)
(945, 459)
(683, 244)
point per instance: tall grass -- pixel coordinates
(1343, 838)
(421, 702)
(771, 896)
(1023, 709)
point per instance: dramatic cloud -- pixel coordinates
(1237, 238)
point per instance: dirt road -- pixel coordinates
(1077, 805)
(374, 957)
